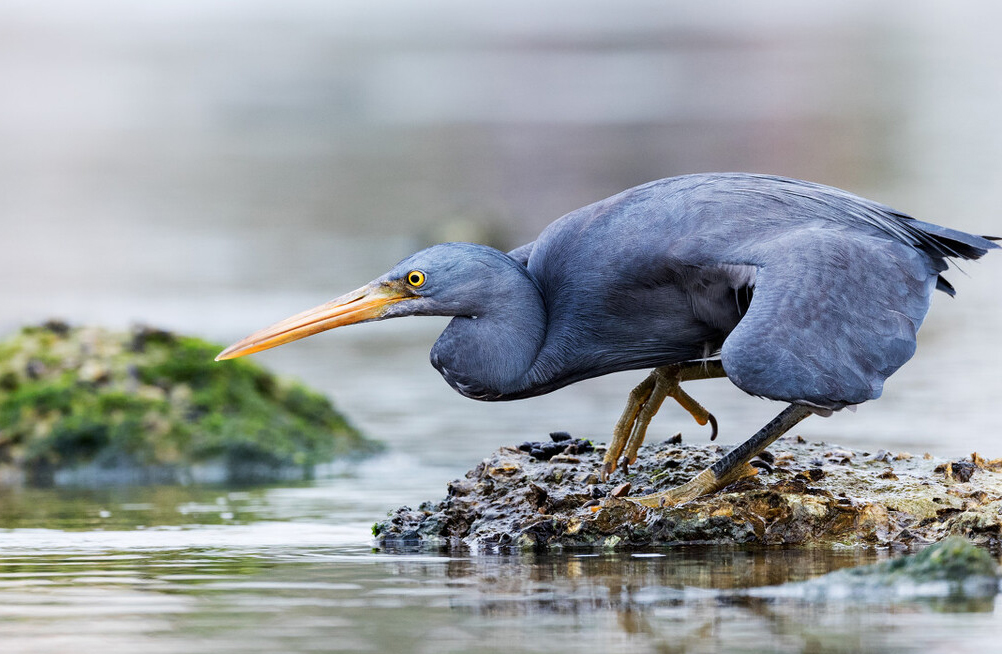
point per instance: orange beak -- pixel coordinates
(367, 303)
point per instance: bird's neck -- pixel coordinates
(488, 354)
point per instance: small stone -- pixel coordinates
(979, 496)
(882, 456)
(888, 474)
(676, 439)
(813, 474)
(959, 470)
(560, 436)
(525, 446)
(506, 469)
(142, 335)
(56, 326)
(93, 372)
(766, 456)
(842, 456)
(590, 503)
(622, 490)
(35, 369)
(761, 465)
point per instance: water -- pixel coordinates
(287, 569)
(212, 167)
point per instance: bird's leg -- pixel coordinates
(730, 467)
(646, 399)
(634, 403)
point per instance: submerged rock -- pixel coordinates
(953, 567)
(804, 493)
(86, 404)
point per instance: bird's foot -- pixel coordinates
(730, 467)
(644, 402)
(704, 483)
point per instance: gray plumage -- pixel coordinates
(809, 294)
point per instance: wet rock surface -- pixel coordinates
(953, 567)
(89, 405)
(804, 493)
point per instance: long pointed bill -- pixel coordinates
(367, 303)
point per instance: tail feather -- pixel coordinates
(946, 242)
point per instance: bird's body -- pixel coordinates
(665, 273)
(808, 294)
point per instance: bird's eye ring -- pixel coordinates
(415, 278)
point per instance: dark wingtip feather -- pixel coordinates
(948, 242)
(945, 286)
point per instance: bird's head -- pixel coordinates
(451, 279)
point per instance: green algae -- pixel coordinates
(952, 559)
(952, 569)
(81, 396)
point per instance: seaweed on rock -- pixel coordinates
(153, 400)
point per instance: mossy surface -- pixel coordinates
(149, 398)
(953, 569)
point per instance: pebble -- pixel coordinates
(545, 451)
(560, 436)
(812, 474)
(621, 490)
(34, 369)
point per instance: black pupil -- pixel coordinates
(415, 278)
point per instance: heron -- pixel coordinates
(795, 291)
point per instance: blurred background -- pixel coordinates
(212, 166)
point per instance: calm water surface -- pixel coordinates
(211, 167)
(289, 570)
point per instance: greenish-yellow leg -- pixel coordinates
(730, 467)
(646, 399)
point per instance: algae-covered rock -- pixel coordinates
(805, 493)
(953, 567)
(150, 400)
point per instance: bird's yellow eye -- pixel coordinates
(415, 278)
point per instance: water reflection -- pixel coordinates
(306, 598)
(285, 569)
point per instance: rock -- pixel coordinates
(953, 567)
(81, 404)
(814, 494)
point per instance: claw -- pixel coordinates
(606, 470)
(731, 467)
